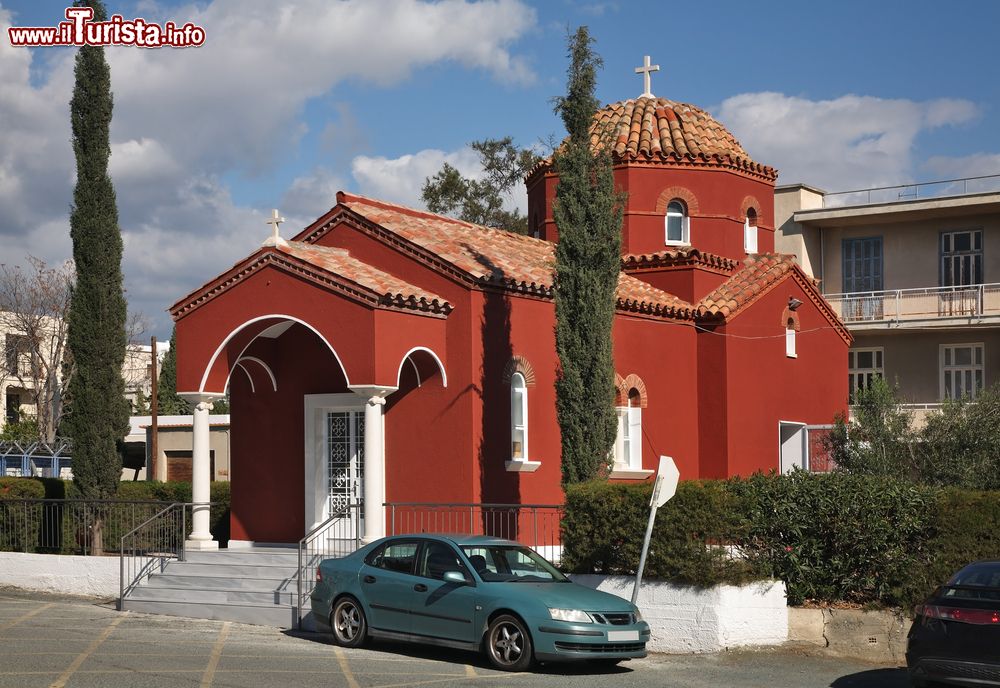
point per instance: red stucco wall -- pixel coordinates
(764, 386)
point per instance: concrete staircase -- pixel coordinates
(252, 585)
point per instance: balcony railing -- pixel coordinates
(902, 305)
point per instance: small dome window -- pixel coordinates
(750, 231)
(677, 224)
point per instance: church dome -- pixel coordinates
(649, 129)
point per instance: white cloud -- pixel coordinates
(844, 143)
(311, 195)
(400, 179)
(185, 120)
(961, 167)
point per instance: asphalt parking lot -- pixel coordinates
(48, 640)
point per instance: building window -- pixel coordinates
(961, 258)
(790, 339)
(864, 366)
(677, 225)
(862, 265)
(518, 418)
(962, 370)
(628, 447)
(750, 231)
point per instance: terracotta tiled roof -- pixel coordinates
(759, 272)
(661, 130)
(685, 255)
(392, 290)
(657, 128)
(488, 255)
(642, 297)
(494, 256)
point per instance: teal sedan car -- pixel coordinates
(475, 593)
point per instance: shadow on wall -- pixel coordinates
(497, 486)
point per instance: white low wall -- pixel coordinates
(689, 619)
(69, 575)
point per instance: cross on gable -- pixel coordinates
(646, 70)
(275, 239)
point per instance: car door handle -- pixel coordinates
(420, 587)
(369, 579)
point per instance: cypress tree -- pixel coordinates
(98, 419)
(588, 213)
(167, 401)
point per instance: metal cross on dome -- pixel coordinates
(646, 69)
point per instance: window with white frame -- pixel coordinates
(628, 446)
(750, 231)
(790, 339)
(962, 370)
(518, 418)
(677, 224)
(864, 366)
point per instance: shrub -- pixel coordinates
(18, 527)
(964, 527)
(604, 524)
(837, 536)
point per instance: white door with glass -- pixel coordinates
(334, 459)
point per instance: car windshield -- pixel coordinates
(976, 582)
(511, 563)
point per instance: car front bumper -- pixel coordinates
(562, 641)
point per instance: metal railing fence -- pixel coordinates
(147, 547)
(39, 459)
(534, 525)
(903, 192)
(337, 536)
(900, 305)
(70, 526)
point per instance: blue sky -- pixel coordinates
(289, 101)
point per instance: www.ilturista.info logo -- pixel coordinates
(80, 30)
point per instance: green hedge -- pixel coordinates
(830, 537)
(604, 524)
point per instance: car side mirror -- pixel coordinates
(454, 577)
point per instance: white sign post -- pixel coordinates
(664, 487)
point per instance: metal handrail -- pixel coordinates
(912, 290)
(304, 585)
(164, 532)
(915, 186)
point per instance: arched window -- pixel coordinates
(790, 339)
(628, 448)
(750, 231)
(518, 418)
(677, 224)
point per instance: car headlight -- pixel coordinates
(572, 615)
(638, 615)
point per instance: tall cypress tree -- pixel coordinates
(98, 418)
(588, 213)
(167, 401)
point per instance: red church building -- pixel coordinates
(394, 355)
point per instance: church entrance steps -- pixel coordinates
(251, 585)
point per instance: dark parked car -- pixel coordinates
(955, 637)
(475, 593)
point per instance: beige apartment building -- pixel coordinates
(916, 280)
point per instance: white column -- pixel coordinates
(374, 484)
(374, 470)
(201, 474)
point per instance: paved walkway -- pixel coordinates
(54, 641)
